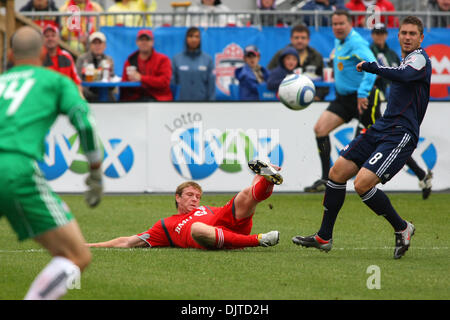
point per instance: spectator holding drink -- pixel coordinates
(149, 67)
(94, 65)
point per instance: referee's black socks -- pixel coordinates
(323, 143)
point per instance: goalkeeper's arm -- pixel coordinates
(72, 104)
(83, 122)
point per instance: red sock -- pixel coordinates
(231, 240)
(262, 189)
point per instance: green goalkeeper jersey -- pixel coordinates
(31, 98)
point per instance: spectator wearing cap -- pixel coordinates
(193, 70)
(56, 58)
(384, 55)
(76, 31)
(381, 5)
(130, 20)
(95, 56)
(151, 68)
(251, 74)
(42, 6)
(310, 60)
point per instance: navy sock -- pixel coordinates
(378, 201)
(324, 145)
(332, 202)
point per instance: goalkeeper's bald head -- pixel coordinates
(26, 44)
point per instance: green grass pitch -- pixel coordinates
(283, 272)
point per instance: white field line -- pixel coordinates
(146, 249)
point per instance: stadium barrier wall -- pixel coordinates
(226, 47)
(156, 146)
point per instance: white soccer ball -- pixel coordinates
(296, 91)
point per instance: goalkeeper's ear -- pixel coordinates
(10, 55)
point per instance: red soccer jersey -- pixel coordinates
(175, 231)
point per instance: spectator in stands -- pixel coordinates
(251, 74)
(321, 5)
(311, 61)
(131, 6)
(56, 58)
(39, 6)
(151, 68)
(267, 19)
(382, 5)
(439, 6)
(76, 29)
(103, 63)
(206, 13)
(266, 4)
(288, 64)
(193, 70)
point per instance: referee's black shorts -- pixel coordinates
(346, 107)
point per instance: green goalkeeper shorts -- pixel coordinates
(26, 199)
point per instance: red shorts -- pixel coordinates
(175, 231)
(225, 217)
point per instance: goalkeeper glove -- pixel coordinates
(95, 187)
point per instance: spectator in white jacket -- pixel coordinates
(207, 13)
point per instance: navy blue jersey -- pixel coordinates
(409, 95)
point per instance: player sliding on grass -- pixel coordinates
(377, 155)
(206, 227)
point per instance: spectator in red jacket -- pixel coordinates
(56, 58)
(383, 6)
(151, 68)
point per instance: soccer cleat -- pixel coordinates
(425, 185)
(269, 239)
(313, 241)
(266, 170)
(318, 186)
(403, 240)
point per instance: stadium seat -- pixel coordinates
(265, 94)
(234, 91)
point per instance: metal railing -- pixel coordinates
(256, 18)
(237, 18)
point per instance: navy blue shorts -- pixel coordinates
(383, 154)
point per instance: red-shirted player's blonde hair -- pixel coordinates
(184, 185)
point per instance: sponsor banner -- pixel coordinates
(154, 147)
(123, 136)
